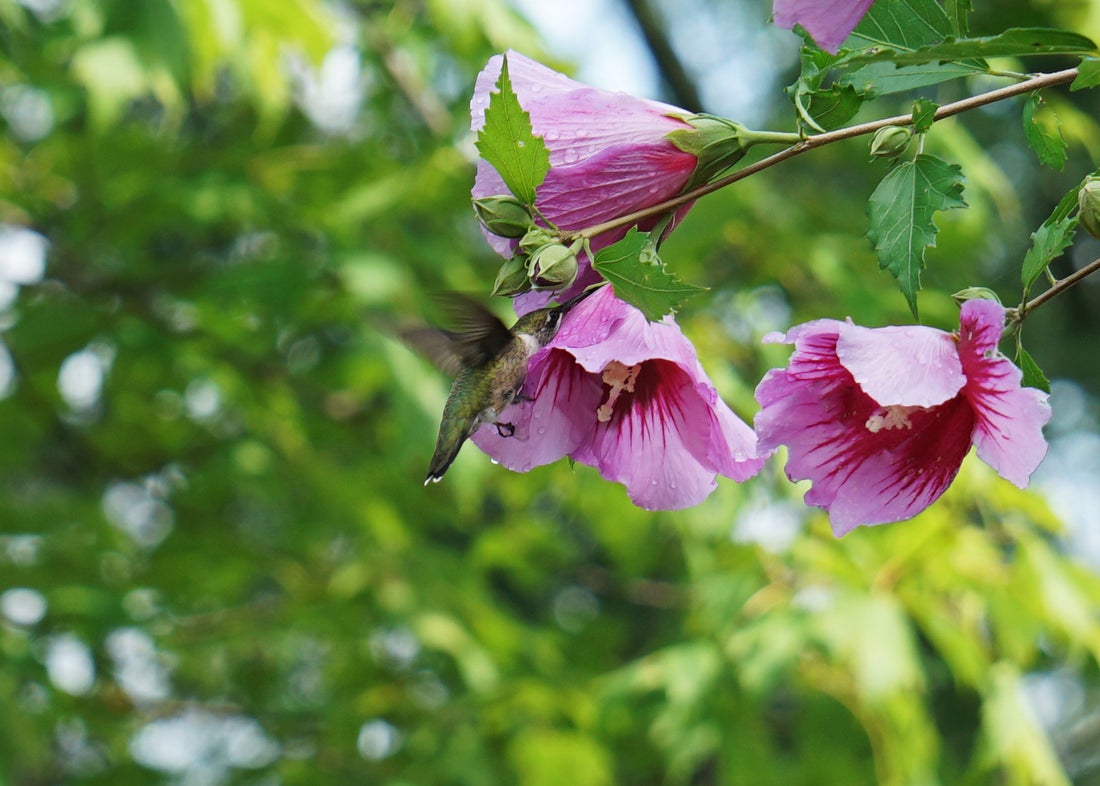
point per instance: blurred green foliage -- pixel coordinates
(218, 565)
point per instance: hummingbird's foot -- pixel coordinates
(505, 429)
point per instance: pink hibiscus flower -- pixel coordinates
(628, 397)
(827, 21)
(880, 419)
(609, 156)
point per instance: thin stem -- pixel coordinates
(1056, 288)
(819, 140)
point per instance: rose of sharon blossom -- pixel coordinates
(628, 397)
(827, 21)
(880, 419)
(608, 156)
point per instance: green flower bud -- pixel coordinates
(512, 279)
(536, 238)
(1088, 202)
(975, 293)
(716, 143)
(504, 215)
(890, 141)
(553, 266)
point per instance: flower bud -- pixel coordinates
(512, 279)
(716, 143)
(535, 238)
(890, 141)
(504, 215)
(1088, 202)
(553, 266)
(975, 293)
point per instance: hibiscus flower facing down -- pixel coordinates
(628, 397)
(609, 155)
(880, 419)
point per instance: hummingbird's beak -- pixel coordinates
(564, 307)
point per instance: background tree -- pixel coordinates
(217, 563)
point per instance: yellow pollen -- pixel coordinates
(619, 378)
(890, 418)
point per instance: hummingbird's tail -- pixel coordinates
(445, 452)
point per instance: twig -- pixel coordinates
(818, 140)
(1060, 285)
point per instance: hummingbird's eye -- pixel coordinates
(553, 318)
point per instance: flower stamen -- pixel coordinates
(620, 378)
(890, 418)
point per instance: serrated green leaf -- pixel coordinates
(924, 114)
(508, 142)
(1044, 134)
(878, 79)
(901, 210)
(1033, 375)
(1015, 42)
(1047, 244)
(1088, 74)
(645, 285)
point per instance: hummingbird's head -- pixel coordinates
(542, 324)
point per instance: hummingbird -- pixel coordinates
(489, 363)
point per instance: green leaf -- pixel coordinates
(833, 107)
(1033, 375)
(904, 24)
(1049, 235)
(1088, 74)
(958, 13)
(924, 114)
(643, 284)
(1047, 244)
(824, 108)
(901, 210)
(1043, 133)
(510, 145)
(876, 79)
(1015, 42)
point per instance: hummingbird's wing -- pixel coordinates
(475, 335)
(476, 331)
(436, 345)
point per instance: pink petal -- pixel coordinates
(869, 464)
(573, 118)
(609, 329)
(814, 358)
(827, 21)
(892, 483)
(613, 182)
(1008, 428)
(865, 468)
(732, 448)
(658, 447)
(914, 365)
(554, 423)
